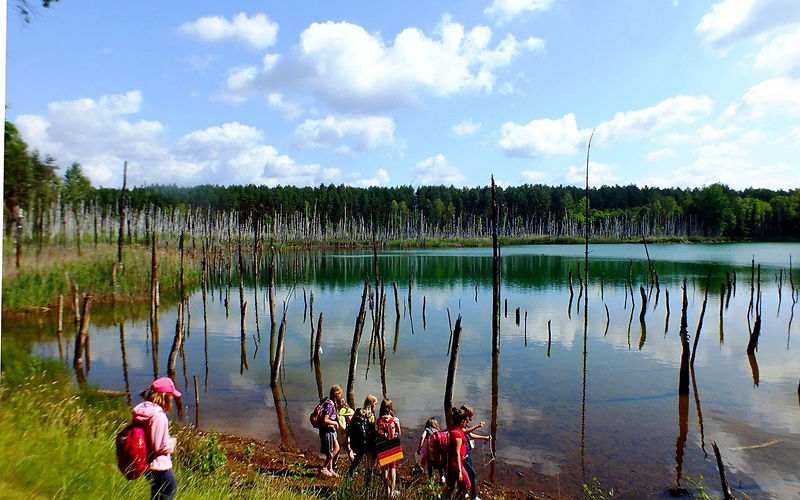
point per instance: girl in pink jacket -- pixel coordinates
(153, 413)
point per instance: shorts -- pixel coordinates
(327, 441)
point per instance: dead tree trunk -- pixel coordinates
(700, 321)
(276, 366)
(83, 333)
(644, 304)
(60, 326)
(496, 279)
(726, 490)
(683, 378)
(359, 328)
(451, 372)
(396, 300)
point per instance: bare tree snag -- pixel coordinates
(359, 328)
(451, 372)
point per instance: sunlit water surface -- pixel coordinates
(629, 428)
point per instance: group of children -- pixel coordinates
(356, 432)
(360, 433)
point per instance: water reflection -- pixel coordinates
(533, 397)
(124, 361)
(680, 443)
(751, 358)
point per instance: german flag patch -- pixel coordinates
(389, 451)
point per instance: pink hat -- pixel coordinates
(165, 385)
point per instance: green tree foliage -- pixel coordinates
(46, 187)
(76, 194)
(629, 211)
(711, 206)
(17, 175)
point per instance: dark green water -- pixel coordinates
(620, 419)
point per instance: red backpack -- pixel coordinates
(317, 416)
(439, 448)
(132, 451)
(386, 429)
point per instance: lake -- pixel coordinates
(569, 409)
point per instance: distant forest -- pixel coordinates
(42, 206)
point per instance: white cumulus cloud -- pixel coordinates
(290, 110)
(504, 10)
(778, 95)
(643, 122)
(546, 137)
(351, 69)
(600, 174)
(358, 133)
(704, 134)
(100, 135)
(729, 163)
(729, 21)
(381, 179)
(543, 137)
(781, 55)
(437, 170)
(794, 136)
(467, 127)
(257, 31)
(660, 154)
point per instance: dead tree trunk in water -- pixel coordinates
(276, 366)
(752, 285)
(451, 372)
(396, 300)
(683, 380)
(495, 274)
(726, 490)
(700, 321)
(176, 343)
(82, 333)
(60, 326)
(752, 345)
(644, 304)
(359, 328)
(318, 342)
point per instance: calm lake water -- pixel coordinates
(557, 424)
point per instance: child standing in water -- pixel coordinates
(456, 474)
(388, 427)
(153, 414)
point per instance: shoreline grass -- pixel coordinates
(40, 280)
(58, 442)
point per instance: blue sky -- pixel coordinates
(679, 93)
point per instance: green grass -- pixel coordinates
(58, 442)
(40, 280)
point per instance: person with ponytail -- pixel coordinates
(456, 473)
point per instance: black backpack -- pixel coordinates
(361, 433)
